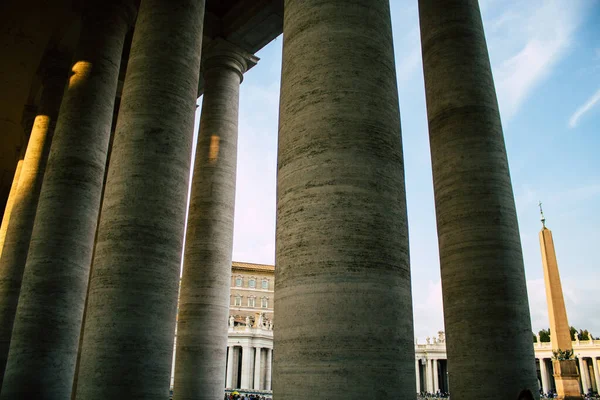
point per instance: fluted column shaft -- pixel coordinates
(132, 301)
(25, 198)
(45, 336)
(483, 278)
(341, 237)
(205, 284)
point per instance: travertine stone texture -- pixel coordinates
(485, 298)
(342, 287)
(130, 320)
(204, 298)
(22, 215)
(47, 325)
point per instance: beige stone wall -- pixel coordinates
(247, 273)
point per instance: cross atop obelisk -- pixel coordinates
(565, 374)
(543, 219)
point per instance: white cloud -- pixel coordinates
(587, 106)
(526, 42)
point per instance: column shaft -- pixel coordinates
(436, 382)
(544, 375)
(246, 368)
(55, 278)
(269, 368)
(480, 250)
(341, 239)
(583, 375)
(418, 376)
(204, 298)
(596, 373)
(132, 302)
(229, 380)
(256, 385)
(25, 199)
(9, 205)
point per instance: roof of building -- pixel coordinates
(252, 267)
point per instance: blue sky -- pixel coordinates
(545, 57)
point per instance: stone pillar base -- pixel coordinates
(566, 379)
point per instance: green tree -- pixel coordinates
(544, 335)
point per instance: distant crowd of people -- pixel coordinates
(437, 395)
(237, 396)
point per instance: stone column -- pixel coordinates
(436, 381)
(585, 383)
(204, 298)
(596, 373)
(10, 200)
(269, 368)
(132, 301)
(341, 240)
(246, 368)
(229, 380)
(25, 199)
(418, 376)
(45, 336)
(544, 374)
(429, 375)
(256, 368)
(480, 250)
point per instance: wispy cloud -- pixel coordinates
(587, 106)
(526, 50)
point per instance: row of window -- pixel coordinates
(264, 301)
(239, 281)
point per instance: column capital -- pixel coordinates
(222, 53)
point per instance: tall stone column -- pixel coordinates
(483, 278)
(436, 381)
(206, 280)
(256, 385)
(596, 373)
(246, 381)
(429, 375)
(10, 200)
(229, 380)
(46, 330)
(269, 368)
(585, 383)
(25, 198)
(418, 376)
(132, 302)
(341, 238)
(544, 374)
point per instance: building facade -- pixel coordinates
(250, 343)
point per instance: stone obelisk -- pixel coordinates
(565, 371)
